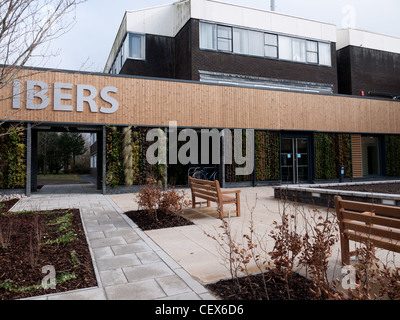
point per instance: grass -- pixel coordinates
(61, 177)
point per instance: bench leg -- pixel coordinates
(208, 203)
(221, 212)
(237, 205)
(193, 201)
(345, 250)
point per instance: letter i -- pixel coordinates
(16, 94)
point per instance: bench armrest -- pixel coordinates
(230, 191)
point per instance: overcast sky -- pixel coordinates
(86, 47)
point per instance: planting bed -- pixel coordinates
(164, 220)
(392, 188)
(32, 240)
(253, 288)
(379, 192)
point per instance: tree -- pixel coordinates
(55, 151)
(73, 145)
(26, 29)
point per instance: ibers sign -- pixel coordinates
(37, 97)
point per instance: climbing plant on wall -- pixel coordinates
(230, 169)
(392, 155)
(332, 150)
(126, 156)
(114, 173)
(13, 159)
(267, 151)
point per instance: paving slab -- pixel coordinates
(128, 264)
(139, 290)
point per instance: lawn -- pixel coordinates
(59, 179)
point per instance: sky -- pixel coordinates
(87, 45)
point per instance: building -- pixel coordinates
(368, 64)
(292, 85)
(216, 42)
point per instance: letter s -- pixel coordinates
(114, 103)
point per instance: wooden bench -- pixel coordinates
(211, 191)
(371, 223)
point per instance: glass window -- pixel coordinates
(256, 43)
(240, 41)
(136, 46)
(224, 35)
(271, 52)
(285, 48)
(271, 39)
(324, 50)
(299, 50)
(208, 38)
(312, 51)
(271, 45)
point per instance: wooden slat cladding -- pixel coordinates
(151, 102)
(356, 154)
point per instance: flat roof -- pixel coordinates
(367, 39)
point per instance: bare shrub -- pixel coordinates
(302, 239)
(35, 244)
(8, 231)
(152, 198)
(149, 197)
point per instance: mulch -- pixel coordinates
(393, 188)
(145, 221)
(266, 286)
(22, 260)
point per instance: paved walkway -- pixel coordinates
(128, 264)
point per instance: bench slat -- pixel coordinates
(367, 218)
(205, 187)
(390, 245)
(371, 207)
(373, 230)
(201, 194)
(202, 182)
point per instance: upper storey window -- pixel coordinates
(136, 46)
(257, 43)
(133, 47)
(224, 35)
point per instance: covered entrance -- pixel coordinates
(295, 160)
(32, 157)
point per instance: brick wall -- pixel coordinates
(363, 69)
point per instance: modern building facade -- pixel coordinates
(293, 85)
(216, 42)
(368, 64)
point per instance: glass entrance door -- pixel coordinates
(294, 160)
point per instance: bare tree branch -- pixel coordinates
(25, 27)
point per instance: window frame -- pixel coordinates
(316, 51)
(268, 45)
(228, 39)
(142, 46)
(214, 36)
(304, 42)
